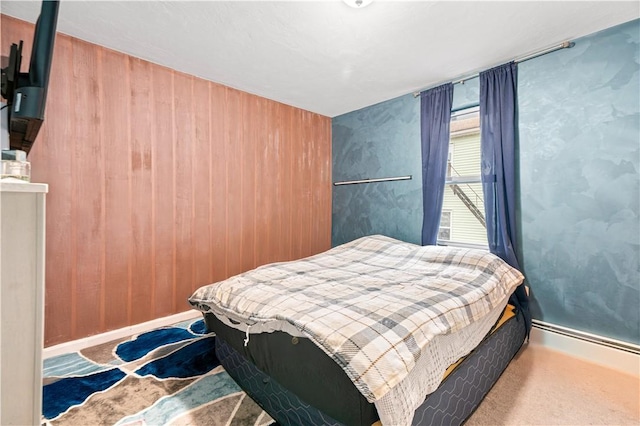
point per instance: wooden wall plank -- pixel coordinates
(233, 142)
(270, 181)
(183, 160)
(141, 294)
(298, 184)
(88, 163)
(201, 155)
(218, 184)
(54, 148)
(285, 183)
(164, 197)
(161, 182)
(273, 160)
(117, 191)
(314, 175)
(248, 167)
(264, 182)
(308, 155)
(321, 190)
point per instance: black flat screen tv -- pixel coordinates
(26, 93)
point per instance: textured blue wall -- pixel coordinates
(579, 179)
(466, 94)
(579, 173)
(382, 140)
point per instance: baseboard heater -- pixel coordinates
(588, 337)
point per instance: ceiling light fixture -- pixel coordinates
(358, 4)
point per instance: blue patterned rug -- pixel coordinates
(168, 376)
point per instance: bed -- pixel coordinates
(375, 331)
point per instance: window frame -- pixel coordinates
(445, 227)
(451, 180)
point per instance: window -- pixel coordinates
(444, 232)
(463, 196)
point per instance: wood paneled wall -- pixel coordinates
(160, 182)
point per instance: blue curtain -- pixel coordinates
(435, 116)
(498, 127)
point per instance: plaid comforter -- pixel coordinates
(371, 304)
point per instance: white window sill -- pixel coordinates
(463, 245)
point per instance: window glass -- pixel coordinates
(444, 232)
(463, 196)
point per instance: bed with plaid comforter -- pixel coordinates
(372, 304)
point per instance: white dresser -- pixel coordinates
(22, 224)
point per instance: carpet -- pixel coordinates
(167, 376)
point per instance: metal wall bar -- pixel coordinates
(387, 179)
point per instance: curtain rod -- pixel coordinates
(564, 45)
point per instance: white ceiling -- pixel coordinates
(324, 56)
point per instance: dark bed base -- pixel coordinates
(461, 392)
(452, 403)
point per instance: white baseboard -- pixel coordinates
(616, 359)
(99, 339)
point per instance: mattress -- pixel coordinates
(298, 384)
(372, 305)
